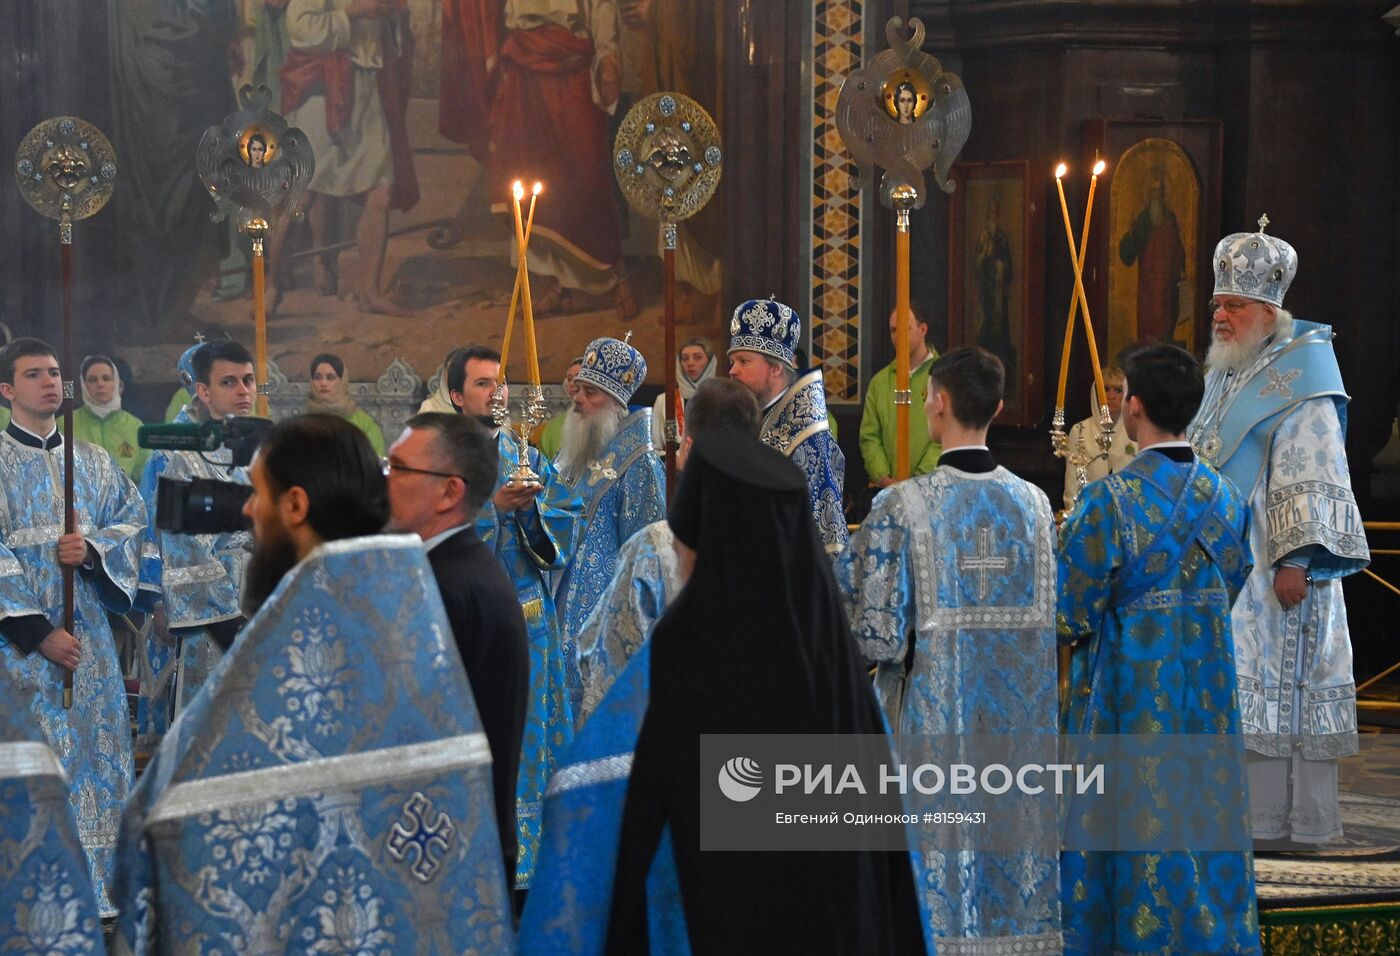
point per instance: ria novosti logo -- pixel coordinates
(740, 779)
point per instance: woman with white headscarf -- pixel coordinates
(330, 395)
(101, 420)
(695, 363)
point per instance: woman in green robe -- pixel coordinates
(330, 395)
(101, 418)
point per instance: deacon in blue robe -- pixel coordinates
(196, 580)
(92, 739)
(950, 589)
(46, 900)
(329, 790)
(623, 488)
(532, 542)
(1151, 559)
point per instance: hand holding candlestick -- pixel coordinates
(533, 408)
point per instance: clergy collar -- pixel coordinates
(1178, 451)
(24, 436)
(973, 459)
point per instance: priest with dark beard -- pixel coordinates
(330, 786)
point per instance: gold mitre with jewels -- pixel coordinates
(1255, 266)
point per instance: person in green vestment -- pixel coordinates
(330, 395)
(101, 418)
(877, 426)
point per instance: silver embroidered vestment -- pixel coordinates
(962, 565)
(196, 578)
(796, 425)
(329, 789)
(92, 739)
(1276, 429)
(646, 580)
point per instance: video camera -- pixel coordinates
(205, 505)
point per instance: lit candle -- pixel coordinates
(517, 191)
(1076, 258)
(1089, 326)
(523, 237)
(1060, 171)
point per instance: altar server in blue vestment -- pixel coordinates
(756, 642)
(647, 577)
(92, 740)
(1274, 421)
(950, 588)
(192, 581)
(764, 336)
(46, 900)
(1151, 558)
(532, 529)
(329, 789)
(608, 459)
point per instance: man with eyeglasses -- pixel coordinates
(1273, 421)
(440, 471)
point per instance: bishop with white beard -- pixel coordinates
(608, 458)
(1273, 421)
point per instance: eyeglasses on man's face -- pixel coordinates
(1231, 306)
(392, 466)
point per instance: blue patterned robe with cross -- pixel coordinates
(329, 789)
(957, 570)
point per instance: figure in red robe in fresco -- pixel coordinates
(530, 86)
(1154, 243)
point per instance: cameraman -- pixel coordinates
(192, 582)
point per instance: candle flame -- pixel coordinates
(1060, 171)
(519, 189)
(539, 188)
(1099, 167)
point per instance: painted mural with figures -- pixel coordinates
(421, 114)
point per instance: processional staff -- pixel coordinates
(257, 169)
(66, 170)
(904, 113)
(667, 160)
